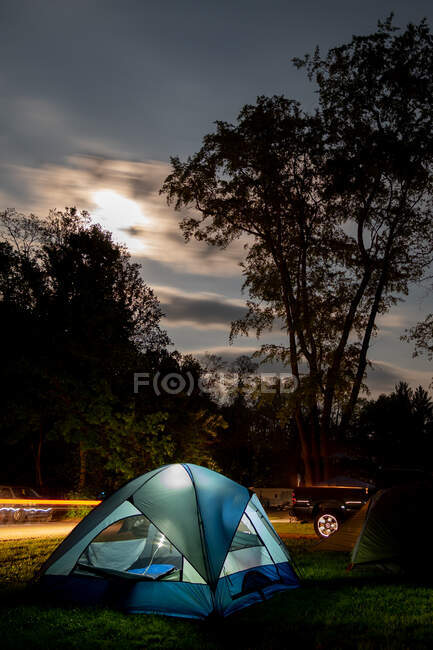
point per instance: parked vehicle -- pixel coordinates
(19, 513)
(329, 505)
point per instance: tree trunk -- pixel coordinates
(362, 363)
(300, 423)
(305, 450)
(82, 477)
(315, 452)
(338, 356)
(319, 445)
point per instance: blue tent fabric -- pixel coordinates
(230, 596)
(181, 540)
(80, 590)
(167, 598)
(171, 598)
(222, 503)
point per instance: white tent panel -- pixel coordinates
(189, 574)
(245, 558)
(114, 555)
(274, 545)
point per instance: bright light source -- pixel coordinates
(121, 216)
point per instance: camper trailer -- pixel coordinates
(274, 497)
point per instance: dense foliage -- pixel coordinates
(77, 320)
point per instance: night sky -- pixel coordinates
(97, 94)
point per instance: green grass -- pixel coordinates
(285, 528)
(333, 609)
(76, 512)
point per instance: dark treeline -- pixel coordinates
(77, 322)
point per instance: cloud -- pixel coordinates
(227, 353)
(145, 223)
(133, 210)
(392, 321)
(39, 128)
(203, 310)
(383, 377)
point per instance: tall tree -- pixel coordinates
(375, 104)
(77, 316)
(334, 209)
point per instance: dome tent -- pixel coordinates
(387, 537)
(382, 533)
(180, 540)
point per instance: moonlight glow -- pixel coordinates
(122, 216)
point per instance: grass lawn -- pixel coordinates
(332, 609)
(284, 528)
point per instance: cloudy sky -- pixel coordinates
(97, 94)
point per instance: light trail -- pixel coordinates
(49, 502)
(11, 509)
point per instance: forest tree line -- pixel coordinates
(78, 321)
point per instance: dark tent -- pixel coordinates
(388, 531)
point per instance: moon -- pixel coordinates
(122, 216)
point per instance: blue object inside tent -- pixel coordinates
(154, 571)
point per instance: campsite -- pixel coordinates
(216, 324)
(265, 591)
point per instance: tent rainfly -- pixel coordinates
(387, 537)
(382, 532)
(181, 540)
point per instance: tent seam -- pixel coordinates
(201, 528)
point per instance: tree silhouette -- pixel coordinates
(334, 209)
(421, 335)
(76, 315)
(397, 429)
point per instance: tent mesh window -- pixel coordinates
(133, 545)
(245, 536)
(246, 551)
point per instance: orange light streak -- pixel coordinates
(51, 502)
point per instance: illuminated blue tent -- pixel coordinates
(181, 540)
